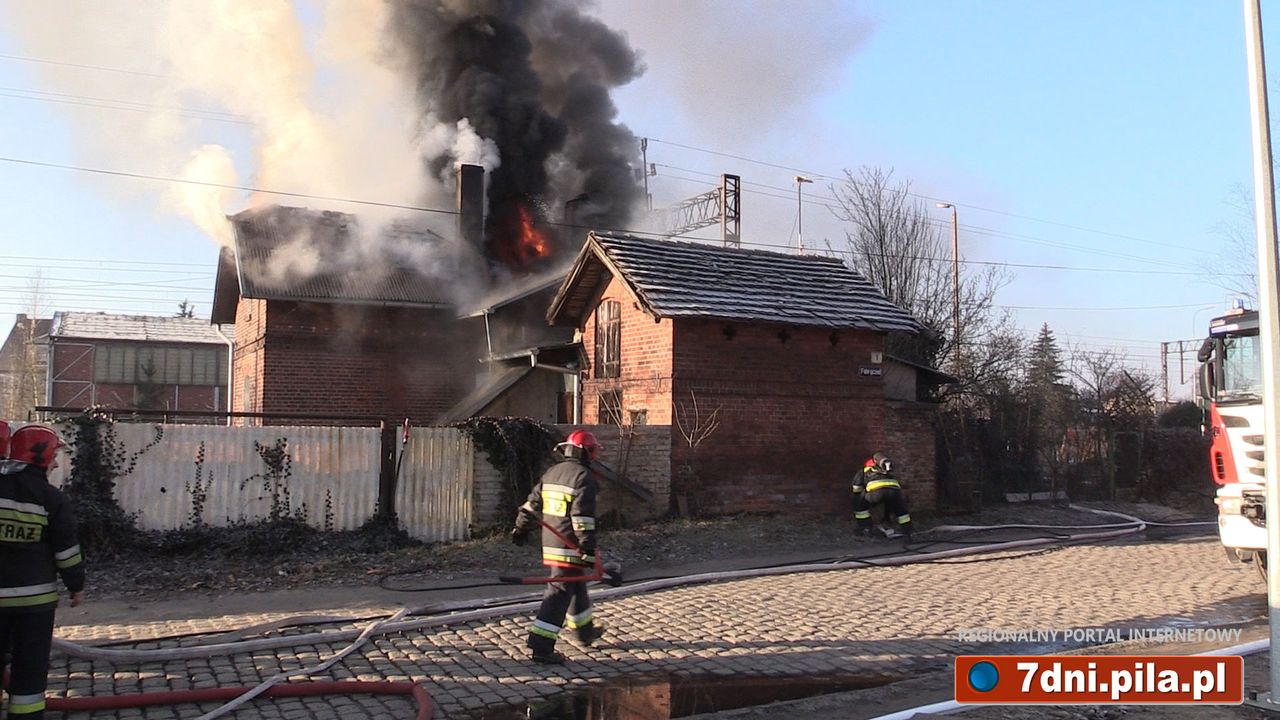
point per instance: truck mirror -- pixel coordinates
(1204, 381)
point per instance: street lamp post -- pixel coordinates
(955, 278)
(800, 181)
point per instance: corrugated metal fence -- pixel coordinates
(332, 473)
(433, 496)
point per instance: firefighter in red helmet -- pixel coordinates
(876, 485)
(37, 544)
(565, 497)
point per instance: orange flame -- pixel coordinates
(530, 243)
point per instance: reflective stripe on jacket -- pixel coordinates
(37, 541)
(566, 499)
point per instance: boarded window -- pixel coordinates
(610, 408)
(609, 339)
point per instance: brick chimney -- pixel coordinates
(471, 207)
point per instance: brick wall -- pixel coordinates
(247, 357)
(355, 360)
(644, 457)
(796, 417)
(911, 442)
(645, 381)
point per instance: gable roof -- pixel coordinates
(680, 279)
(133, 328)
(290, 253)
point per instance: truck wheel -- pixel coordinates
(1260, 564)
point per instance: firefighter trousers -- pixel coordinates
(892, 499)
(564, 604)
(25, 639)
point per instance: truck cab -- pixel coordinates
(1230, 386)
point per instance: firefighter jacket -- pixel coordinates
(566, 497)
(37, 541)
(873, 479)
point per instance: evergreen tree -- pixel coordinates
(1044, 366)
(1051, 405)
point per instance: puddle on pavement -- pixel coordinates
(662, 698)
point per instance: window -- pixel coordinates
(610, 408)
(134, 364)
(609, 339)
(639, 417)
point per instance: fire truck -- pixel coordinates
(1230, 386)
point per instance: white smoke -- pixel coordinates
(324, 116)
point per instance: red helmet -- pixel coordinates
(584, 440)
(4, 439)
(35, 445)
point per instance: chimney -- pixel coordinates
(573, 234)
(471, 206)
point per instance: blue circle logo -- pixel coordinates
(983, 676)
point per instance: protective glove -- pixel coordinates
(519, 537)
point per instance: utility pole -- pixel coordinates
(644, 167)
(955, 278)
(1164, 369)
(1268, 322)
(800, 181)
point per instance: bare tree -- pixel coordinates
(23, 378)
(1236, 267)
(695, 424)
(898, 247)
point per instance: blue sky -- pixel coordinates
(1070, 134)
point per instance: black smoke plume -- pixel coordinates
(534, 76)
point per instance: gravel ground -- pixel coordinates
(319, 559)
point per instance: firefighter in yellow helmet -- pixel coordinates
(877, 486)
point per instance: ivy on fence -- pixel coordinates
(98, 460)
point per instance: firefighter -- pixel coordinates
(877, 486)
(566, 498)
(37, 543)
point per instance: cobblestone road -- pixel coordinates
(879, 620)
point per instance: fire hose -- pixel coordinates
(397, 623)
(610, 575)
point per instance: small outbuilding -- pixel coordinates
(769, 368)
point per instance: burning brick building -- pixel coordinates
(769, 367)
(336, 320)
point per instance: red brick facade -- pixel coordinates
(796, 416)
(911, 441)
(345, 359)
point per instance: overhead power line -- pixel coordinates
(141, 108)
(45, 61)
(443, 211)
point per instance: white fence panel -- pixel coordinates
(342, 461)
(433, 496)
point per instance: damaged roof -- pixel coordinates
(514, 291)
(290, 253)
(681, 279)
(139, 328)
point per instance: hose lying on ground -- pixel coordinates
(293, 689)
(1134, 525)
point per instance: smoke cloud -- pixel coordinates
(741, 69)
(380, 104)
(533, 77)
